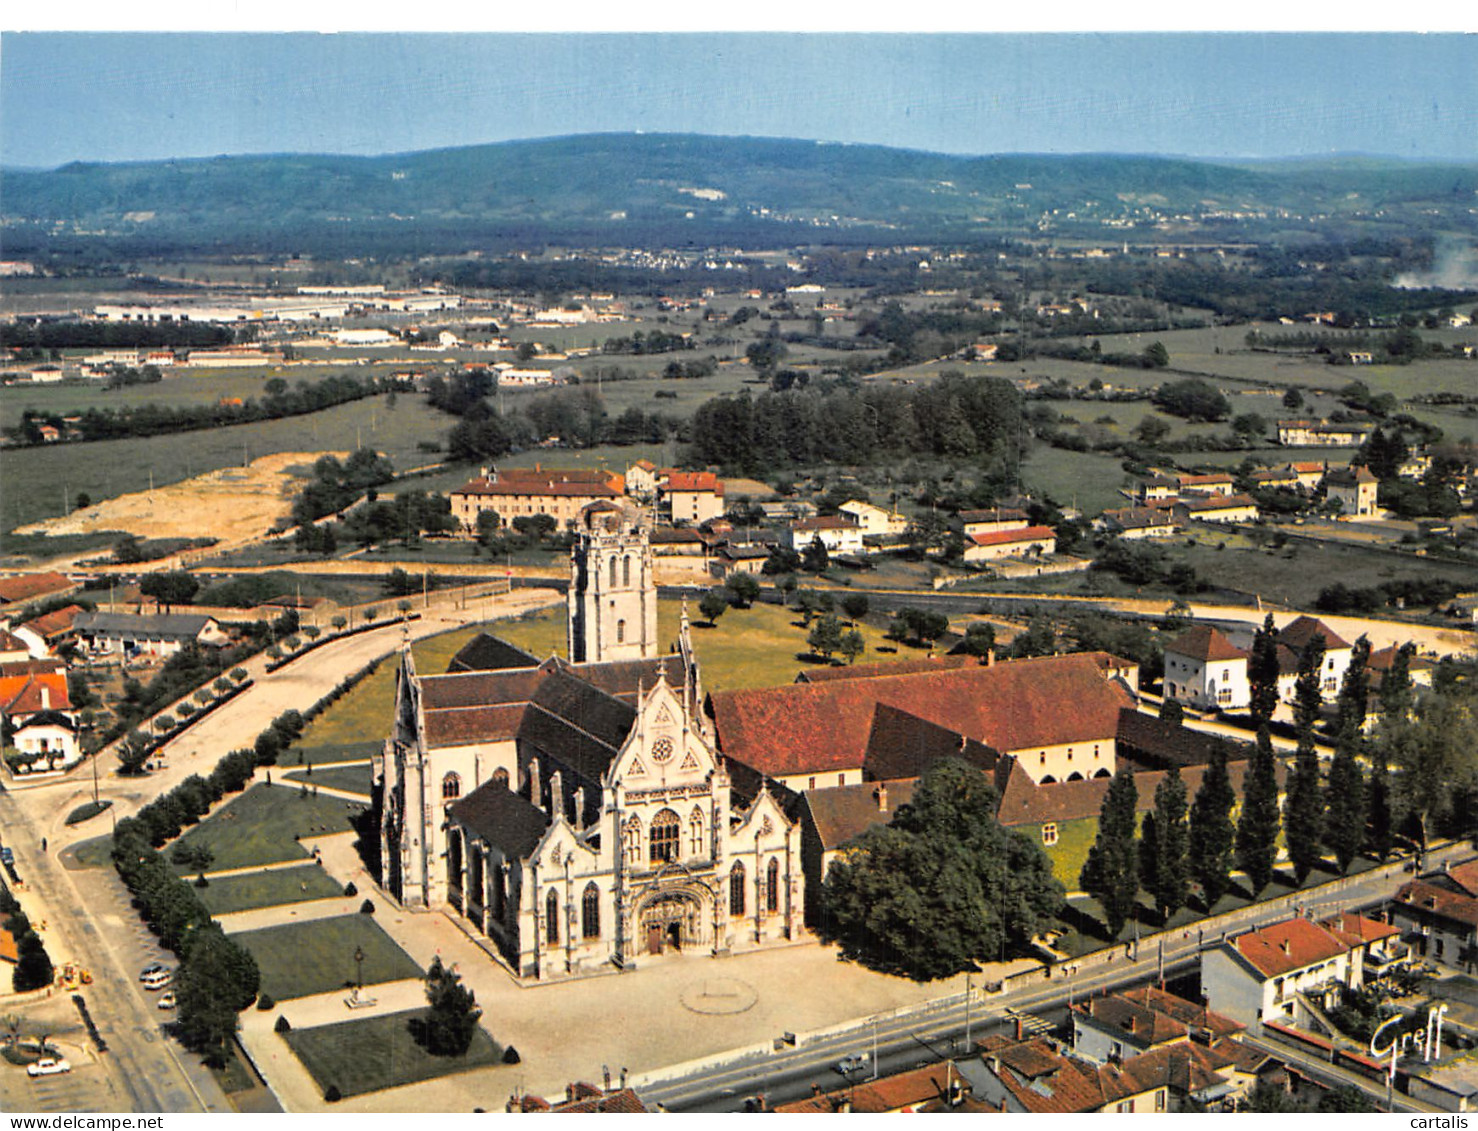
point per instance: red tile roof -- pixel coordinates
(1010, 537)
(551, 488)
(693, 481)
(1188, 1013)
(28, 586)
(911, 1089)
(1465, 875)
(1297, 634)
(842, 813)
(1358, 930)
(9, 642)
(1218, 503)
(805, 728)
(886, 667)
(1422, 896)
(1205, 643)
(1280, 948)
(27, 694)
(824, 522)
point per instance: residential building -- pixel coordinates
(517, 492)
(1216, 508)
(1219, 483)
(1039, 1077)
(1027, 542)
(993, 520)
(1354, 488)
(1321, 434)
(1156, 488)
(1275, 972)
(36, 708)
(729, 559)
(1310, 473)
(873, 520)
(1294, 639)
(839, 535)
(693, 497)
(1137, 522)
(157, 635)
(22, 590)
(584, 1099)
(1206, 670)
(929, 1088)
(833, 817)
(1439, 920)
(578, 815)
(641, 481)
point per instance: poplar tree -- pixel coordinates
(1262, 673)
(1345, 812)
(1212, 834)
(1163, 864)
(1257, 828)
(1303, 809)
(1111, 872)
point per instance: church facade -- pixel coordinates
(577, 814)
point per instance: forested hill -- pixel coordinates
(619, 187)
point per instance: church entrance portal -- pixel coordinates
(670, 922)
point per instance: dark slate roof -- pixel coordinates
(621, 679)
(464, 726)
(1298, 633)
(158, 624)
(903, 745)
(843, 812)
(1162, 744)
(486, 653)
(501, 817)
(480, 689)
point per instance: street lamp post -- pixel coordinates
(358, 971)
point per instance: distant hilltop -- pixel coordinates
(622, 188)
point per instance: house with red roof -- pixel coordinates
(1441, 923)
(24, 589)
(517, 492)
(1205, 669)
(929, 1088)
(693, 497)
(36, 712)
(1273, 972)
(1026, 542)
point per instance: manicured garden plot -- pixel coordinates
(317, 956)
(352, 779)
(227, 894)
(329, 752)
(379, 1052)
(261, 827)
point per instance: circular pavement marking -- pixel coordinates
(719, 996)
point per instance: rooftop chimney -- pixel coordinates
(45, 697)
(1285, 947)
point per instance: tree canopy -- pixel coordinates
(943, 886)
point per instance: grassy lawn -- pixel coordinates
(268, 889)
(94, 853)
(259, 827)
(1074, 839)
(1088, 480)
(332, 752)
(379, 1052)
(354, 779)
(317, 956)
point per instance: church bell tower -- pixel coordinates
(613, 590)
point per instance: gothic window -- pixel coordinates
(590, 912)
(695, 833)
(662, 750)
(620, 628)
(664, 838)
(772, 887)
(499, 895)
(633, 840)
(626, 570)
(736, 890)
(551, 917)
(451, 787)
(613, 573)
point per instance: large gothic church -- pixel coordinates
(577, 814)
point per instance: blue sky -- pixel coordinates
(113, 97)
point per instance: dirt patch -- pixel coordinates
(232, 504)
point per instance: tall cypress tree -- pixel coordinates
(1257, 828)
(1211, 831)
(1395, 686)
(1262, 673)
(1378, 832)
(1111, 872)
(1345, 812)
(1164, 865)
(1303, 809)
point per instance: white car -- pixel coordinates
(850, 1064)
(49, 1066)
(166, 1000)
(153, 968)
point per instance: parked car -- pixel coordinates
(158, 979)
(849, 1064)
(166, 1000)
(150, 970)
(49, 1066)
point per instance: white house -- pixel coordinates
(1217, 508)
(1137, 522)
(839, 535)
(1262, 975)
(1354, 488)
(994, 519)
(1294, 637)
(157, 635)
(873, 519)
(1205, 669)
(1029, 541)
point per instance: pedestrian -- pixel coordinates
(43, 846)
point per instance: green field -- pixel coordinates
(755, 647)
(261, 825)
(302, 755)
(317, 956)
(380, 1052)
(351, 779)
(1088, 480)
(35, 478)
(268, 889)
